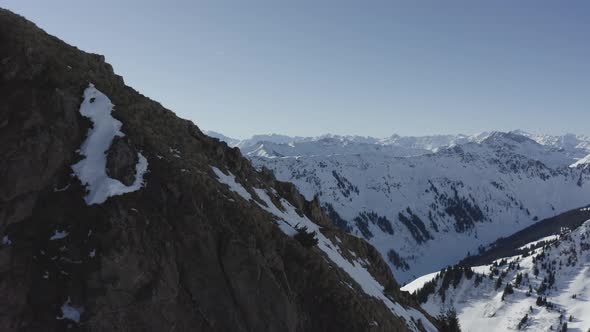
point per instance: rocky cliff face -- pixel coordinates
(168, 229)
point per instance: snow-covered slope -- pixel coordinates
(415, 209)
(548, 285)
(581, 162)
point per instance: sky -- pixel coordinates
(371, 68)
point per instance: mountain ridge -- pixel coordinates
(568, 140)
(95, 238)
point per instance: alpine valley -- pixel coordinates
(506, 207)
(416, 198)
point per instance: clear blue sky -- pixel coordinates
(363, 67)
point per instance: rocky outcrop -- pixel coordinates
(121, 161)
(183, 253)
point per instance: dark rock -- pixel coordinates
(121, 161)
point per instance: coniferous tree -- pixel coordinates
(498, 283)
(449, 322)
(305, 237)
(507, 291)
(523, 321)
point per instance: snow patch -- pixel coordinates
(92, 169)
(175, 152)
(70, 312)
(419, 283)
(544, 239)
(57, 235)
(230, 180)
(56, 190)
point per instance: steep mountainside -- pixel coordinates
(415, 210)
(116, 215)
(544, 287)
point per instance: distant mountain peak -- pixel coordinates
(511, 137)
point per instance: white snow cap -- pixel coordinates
(92, 169)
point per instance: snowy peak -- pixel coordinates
(575, 146)
(511, 146)
(566, 141)
(510, 138)
(430, 143)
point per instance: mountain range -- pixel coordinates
(415, 198)
(275, 145)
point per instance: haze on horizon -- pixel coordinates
(343, 67)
